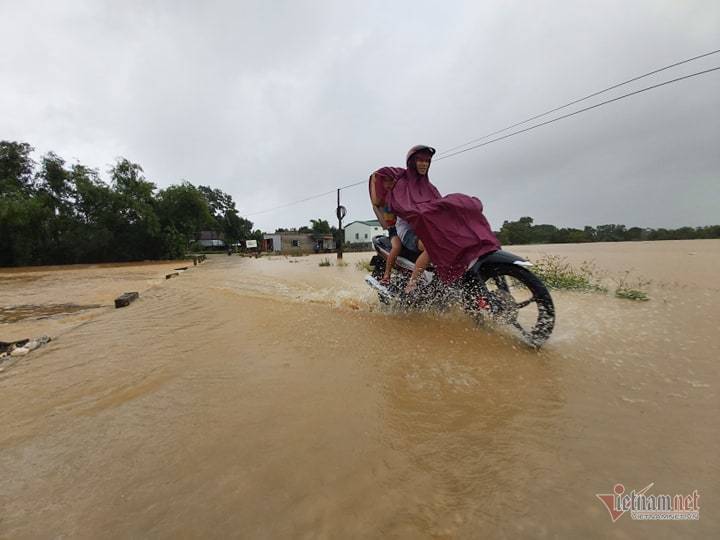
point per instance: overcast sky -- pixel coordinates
(275, 101)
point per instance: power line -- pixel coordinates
(448, 153)
(355, 184)
(306, 199)
(292, 203)
(580, 111)
(614, 86)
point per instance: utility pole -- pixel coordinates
(340, 212)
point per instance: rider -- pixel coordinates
(418, 161)
(400, 231)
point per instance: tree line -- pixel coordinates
(523, 231)
(52, 212)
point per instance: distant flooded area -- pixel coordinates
(275, 398)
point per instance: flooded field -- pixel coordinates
(266, 398)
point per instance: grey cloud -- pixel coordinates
(276, 101)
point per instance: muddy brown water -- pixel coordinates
(263, 399)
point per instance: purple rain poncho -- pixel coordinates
(452, 228)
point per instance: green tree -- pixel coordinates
(634, 233)
(183, 212)
(610, 233)
(137, 227)
(22, 230)
(55, 191)
(543, 234)
(516, 232)
(320, 226)
(227, 221)
(92, 238)
(16, 168)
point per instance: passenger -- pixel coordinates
(388, 220)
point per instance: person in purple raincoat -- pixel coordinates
(452, 229)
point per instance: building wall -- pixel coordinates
(294, 242)
(360, 233)
(276, 241)
(291, 242)
(328, 244)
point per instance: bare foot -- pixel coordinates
(410, 287)
(385, 280)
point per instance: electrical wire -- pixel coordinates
(574, 102)
(292, 203)
(448, 153)
(579, 111)
(306, 199)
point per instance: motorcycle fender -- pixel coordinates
(500, 257)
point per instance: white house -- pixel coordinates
(362, 232)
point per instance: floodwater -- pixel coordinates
(273, 398)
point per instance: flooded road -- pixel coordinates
(275, 398)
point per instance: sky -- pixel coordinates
(275, 101)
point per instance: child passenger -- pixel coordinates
(389, 219)
(400, 233)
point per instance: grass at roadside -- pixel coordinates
(557, 273)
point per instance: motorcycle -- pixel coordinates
(499, 288)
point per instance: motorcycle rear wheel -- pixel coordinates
(512, 295)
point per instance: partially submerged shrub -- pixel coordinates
(631, 290)
(325, 262)
(557, 273)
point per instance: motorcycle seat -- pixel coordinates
(384, 243)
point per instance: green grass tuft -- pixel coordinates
(364, 266)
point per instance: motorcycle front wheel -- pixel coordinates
(512, 295)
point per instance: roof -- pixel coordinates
(368, 222)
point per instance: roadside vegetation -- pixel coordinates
(557, 273)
